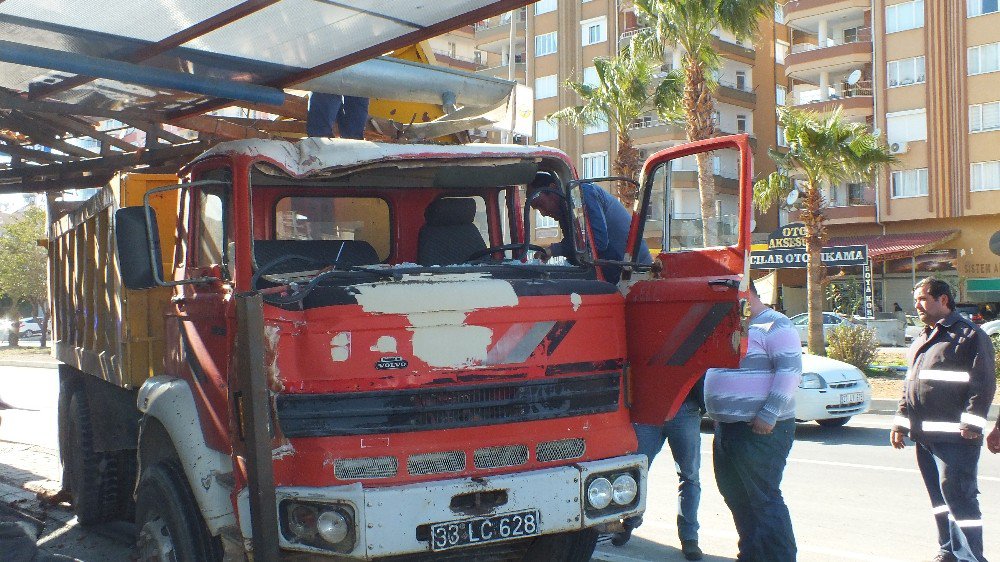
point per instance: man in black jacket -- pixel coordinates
(948, 391)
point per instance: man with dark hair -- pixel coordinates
(947, 394)
(609, 221)
(754, 407)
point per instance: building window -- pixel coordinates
(781, 137)
(909, 183)
(590, 77)
(542, 221)
(545, 6)
(546, 86)
(984, 117)
(780, 51)
(984, 58)
(837, 196)
(595, 165)
(779, 13)
(600, 126)
(545, 131)
(903, 16)
(594, 31)
(985, 176)
(741, 80)
(980, 7)
(856, 194)
(479, 57)
(546, 44)
(905, 126)
(741, 123)
(905, 72)
(779, 94)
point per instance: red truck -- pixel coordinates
(424, 386)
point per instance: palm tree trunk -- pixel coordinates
(812, 218)
(698, 109)
(627, 164)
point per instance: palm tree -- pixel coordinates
(820, 151)
(627, 88)
(688, 25)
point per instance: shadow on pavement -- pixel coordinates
(846, 435)
(643, 549)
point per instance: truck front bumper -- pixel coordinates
(394, 520)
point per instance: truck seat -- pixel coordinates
(354, 252)
(449, 235)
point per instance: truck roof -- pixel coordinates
(314, 155)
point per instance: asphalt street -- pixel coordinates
(852, 497)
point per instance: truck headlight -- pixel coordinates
(624, 489)
(599, 493)
(325, 526)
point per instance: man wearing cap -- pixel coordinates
(947, 394)
(609, 222)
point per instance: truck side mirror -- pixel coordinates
(139, 258)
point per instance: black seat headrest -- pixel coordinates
(451, 211)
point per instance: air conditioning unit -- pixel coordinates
(899, 147)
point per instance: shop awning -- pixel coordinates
(886, 247)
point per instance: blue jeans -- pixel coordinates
(349, 112)
(950, 476)
(748, 469)
(683, 434)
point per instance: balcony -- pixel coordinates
(808, 60)
(798, 12)
(737, 93)
(650, 129)
(627, 36)
(502, 71)
(493, 34)
(855, 101)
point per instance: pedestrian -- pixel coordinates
(754, 409)
(608, 219)
(350, 113)
(682, 433)
(947, 394)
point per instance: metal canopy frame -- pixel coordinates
(40, 118)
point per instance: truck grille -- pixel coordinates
(560, 450)
(497, 457)
(436, 463)
(365, 468)
(441, 407)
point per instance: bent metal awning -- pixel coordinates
(887, 247)
(163, 67)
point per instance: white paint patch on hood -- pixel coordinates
(434, 293)
(282, 451)
(271, 335)
(340, 347)
(577, 300)
(452, 346)
(385, 344)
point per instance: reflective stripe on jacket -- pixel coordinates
(950, 383)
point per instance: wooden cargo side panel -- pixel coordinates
(100, 327)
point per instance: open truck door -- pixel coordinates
(686, 314)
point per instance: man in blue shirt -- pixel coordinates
(609, 222)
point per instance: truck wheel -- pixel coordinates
(93, 476)
(169, 524)
(577, 546)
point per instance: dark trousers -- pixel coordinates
(748, 470)
(950, 475)
(349, 112)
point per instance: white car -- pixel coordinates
(831, 391)
(29, 328)
(992, 328)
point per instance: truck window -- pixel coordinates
(335, 218)
(674, 219)
(214, 237)
(481, 219)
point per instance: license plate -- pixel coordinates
(484, 529)
(852, 398)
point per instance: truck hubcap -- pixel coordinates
(155, 542)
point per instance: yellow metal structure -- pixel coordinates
(406, 112)
(99, 326)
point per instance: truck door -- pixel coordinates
(686, 314)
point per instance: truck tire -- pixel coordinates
(94, 477)
(170, 527)
(577, 546)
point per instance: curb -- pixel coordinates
(36, 363)
(888, 408)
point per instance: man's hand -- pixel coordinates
(970, 434)
(760, 427)
(896, 438)
(993, 440)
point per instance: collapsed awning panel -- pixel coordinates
(886, 247)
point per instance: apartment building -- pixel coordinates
(553, 41)
(927, 73)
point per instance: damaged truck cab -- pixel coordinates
(436, 385)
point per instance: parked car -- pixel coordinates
(913, 327)
(992, 328)
(831, 320)
(831, 392)
(971, 311)
(29, 328)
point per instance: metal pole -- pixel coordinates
(251, 407)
